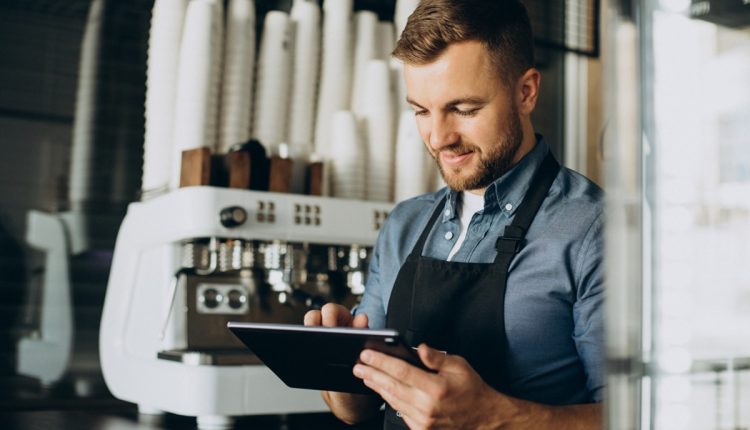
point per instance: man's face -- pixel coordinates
(465, 115)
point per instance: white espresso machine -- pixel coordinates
(189, 261)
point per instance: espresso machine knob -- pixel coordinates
(236, 299)
(233, 216)
(212, 298)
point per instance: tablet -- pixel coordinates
(319, 358)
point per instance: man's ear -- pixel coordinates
(527, 90)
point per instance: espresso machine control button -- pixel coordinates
(233, 216)
(236, 299)
(211, 298)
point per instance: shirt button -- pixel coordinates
(448, 235)
(508, 207)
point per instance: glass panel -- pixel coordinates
(626, 328)
(686, 294)
(702, 115)
(701, 123)
(687, 192)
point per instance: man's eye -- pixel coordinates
(470, 112)
(420, 112)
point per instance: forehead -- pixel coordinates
(463, 70)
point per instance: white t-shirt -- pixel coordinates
(470, 204)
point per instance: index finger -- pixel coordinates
(313, 318)
(335, 315)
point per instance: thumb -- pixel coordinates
(432, 358)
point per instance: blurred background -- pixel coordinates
(99, 99)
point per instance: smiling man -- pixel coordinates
(498, 277)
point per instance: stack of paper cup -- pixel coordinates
(399, 85)
(414, 170)
(301, 126)
(167, 18)
(348, 166)
(387, 44)
(336, 70)
(387, 39)
(82, 163)
(366, 48)
(404, 8)
(238, 74)
(273, 81)
(378, 126)
(217, 63)
(306, 21)
(194, 123)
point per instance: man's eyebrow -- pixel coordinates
(467, 101)
(454, 102)
(413, 103)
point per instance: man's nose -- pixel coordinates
(442, 132)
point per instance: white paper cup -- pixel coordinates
(336, 69)
(348, 167)
(273, 81)
(378, 127)
(238, 74)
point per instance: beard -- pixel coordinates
(492, 164)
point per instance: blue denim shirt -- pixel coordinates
(553, 301)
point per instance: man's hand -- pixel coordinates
(350, 408)
(455, 396)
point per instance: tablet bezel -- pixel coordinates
(327, 368)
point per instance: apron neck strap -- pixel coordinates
(511, 240)
(417, 250)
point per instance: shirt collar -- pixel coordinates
(507, 191)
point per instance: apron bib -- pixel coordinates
(459, 307)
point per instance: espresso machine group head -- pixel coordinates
(189, 261)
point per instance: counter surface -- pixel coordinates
(127, 419)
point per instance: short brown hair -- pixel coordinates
(502, 26)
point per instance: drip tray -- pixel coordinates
(211, 357)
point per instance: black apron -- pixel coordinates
(459, 307)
